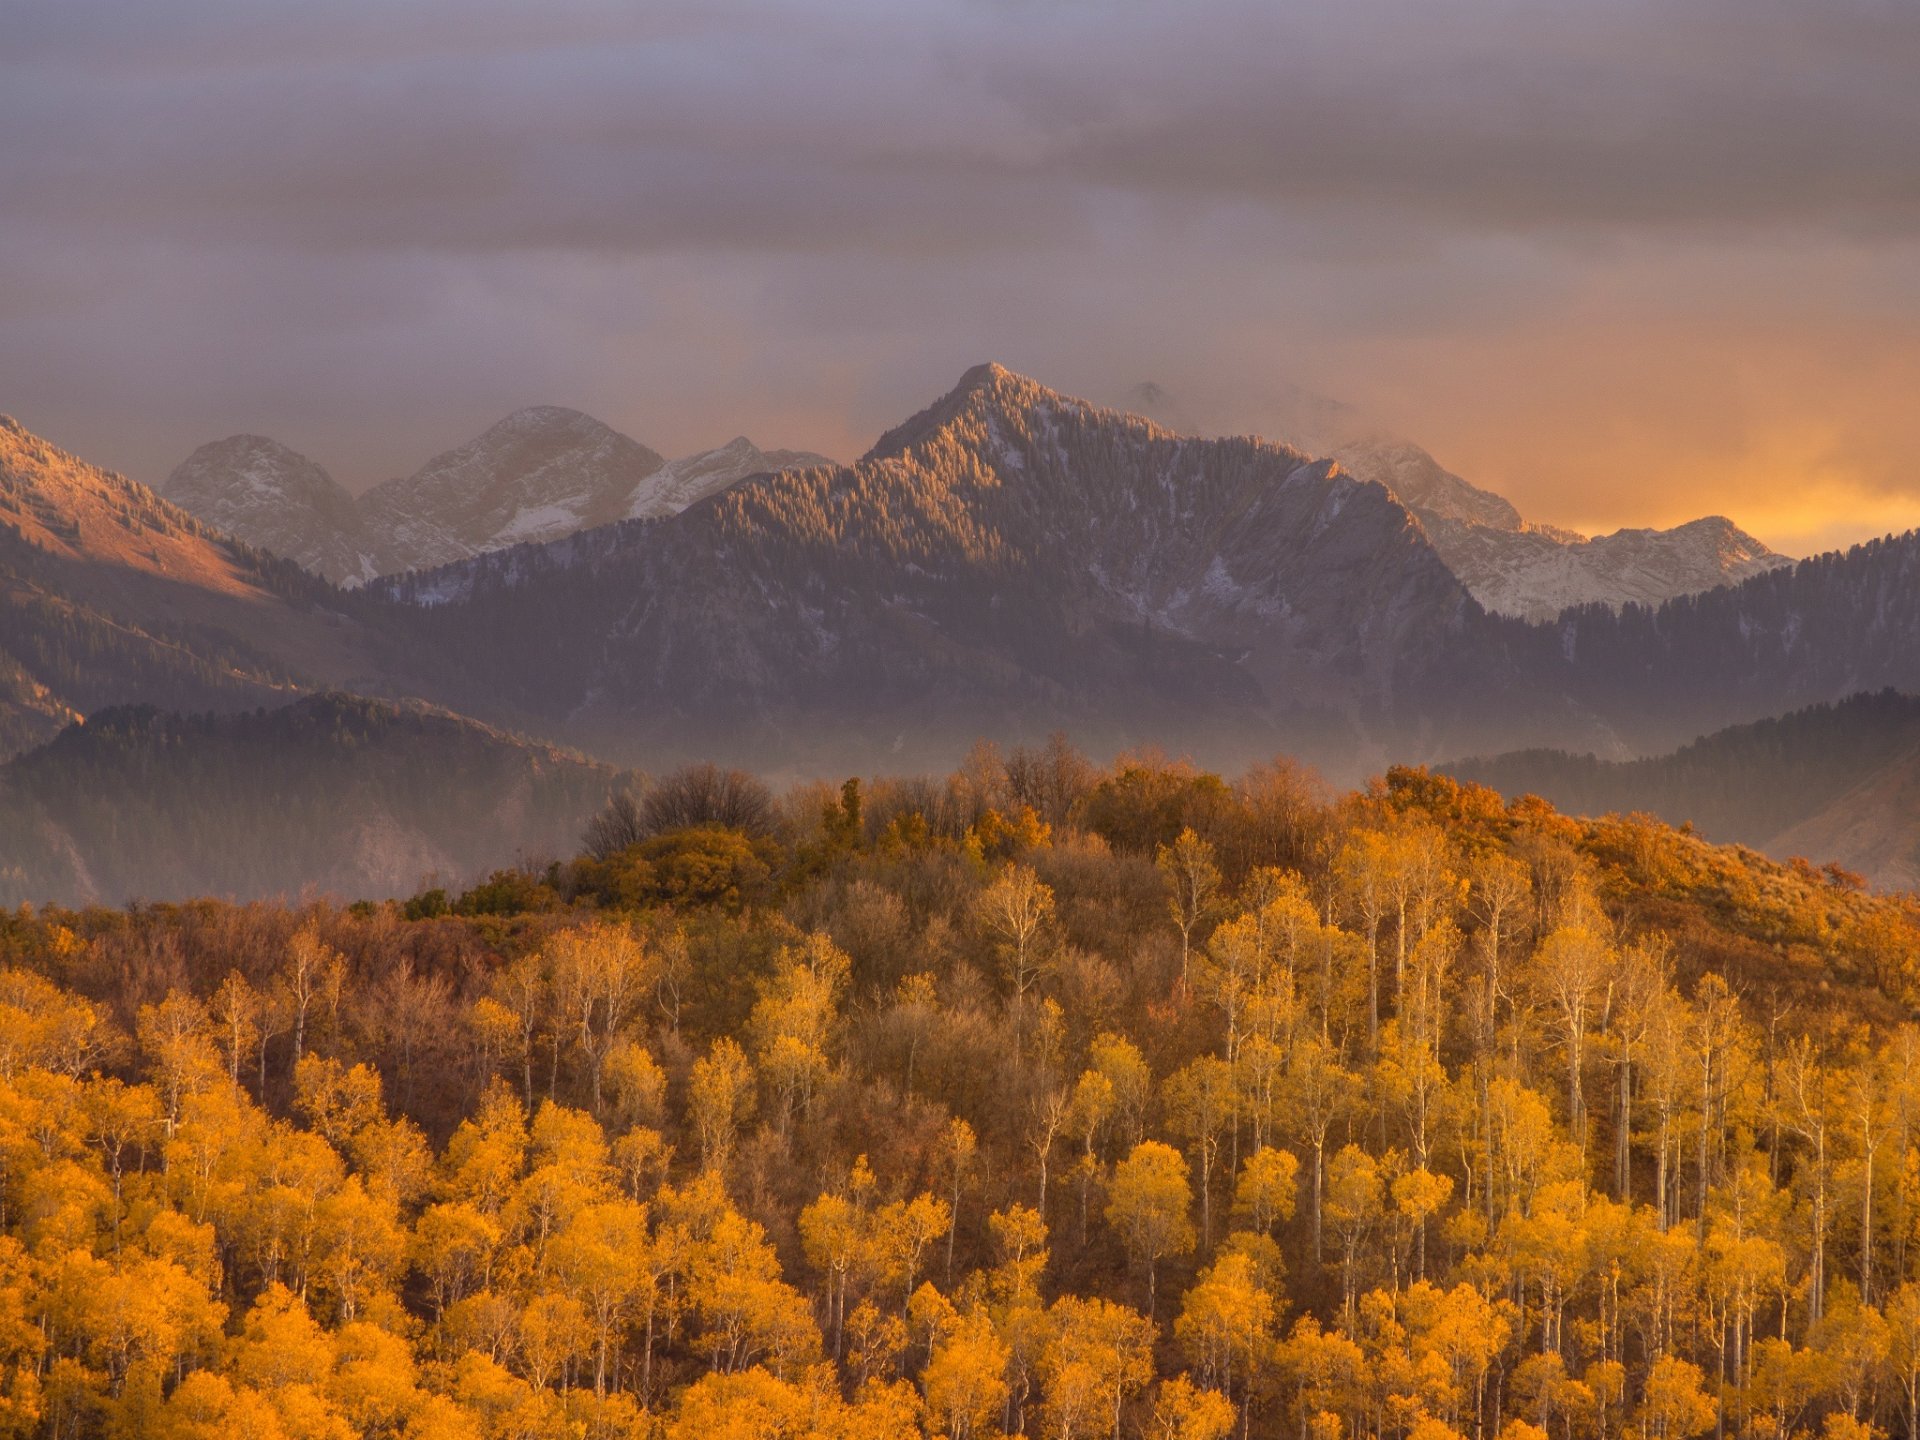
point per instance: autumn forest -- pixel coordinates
(1039, 1099)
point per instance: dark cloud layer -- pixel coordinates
(1626, 261)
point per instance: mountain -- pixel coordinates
(539, 474)
(1008, 561)
(1537, 573)
(278, 500)
(680, 483)
(1012, 561)
(1511, 565)
(332, 794)
(110, 594)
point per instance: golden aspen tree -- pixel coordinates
(1016, 909)
(1097, 1355)
(720, 1097)
(1150, 1204)
(1199, 1101)
(965, 1379)
(1192, 878)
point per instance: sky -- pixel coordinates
(1624, 263)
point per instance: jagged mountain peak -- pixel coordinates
(990, 391)
(541, 472)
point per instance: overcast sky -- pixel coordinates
(1625, 263)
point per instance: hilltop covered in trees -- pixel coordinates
(1801, 783)
(1036, 1100)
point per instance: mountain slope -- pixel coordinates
(334, 794)
(1511, 565)
(540, 473)
(1009, 560)
(683, 482)
(1537, 574)
(274, 498)
(110, 594)
(1872, 829)
(1831, 782)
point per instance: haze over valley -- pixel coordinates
(1008, 563)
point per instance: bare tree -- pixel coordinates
(707, 795)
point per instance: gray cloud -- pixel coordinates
(1620, 258)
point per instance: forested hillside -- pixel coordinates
(1758, 784)
(110, 595)
(1039, 1100)
(332, 795)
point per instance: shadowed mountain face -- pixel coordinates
(333, 795)
(1831, 782)
(1008, 561)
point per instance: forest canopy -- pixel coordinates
(1038, 1099)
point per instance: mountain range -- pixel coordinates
(541, 473)
(1512, 566)
(1008, 562)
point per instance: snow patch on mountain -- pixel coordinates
(690, 479)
